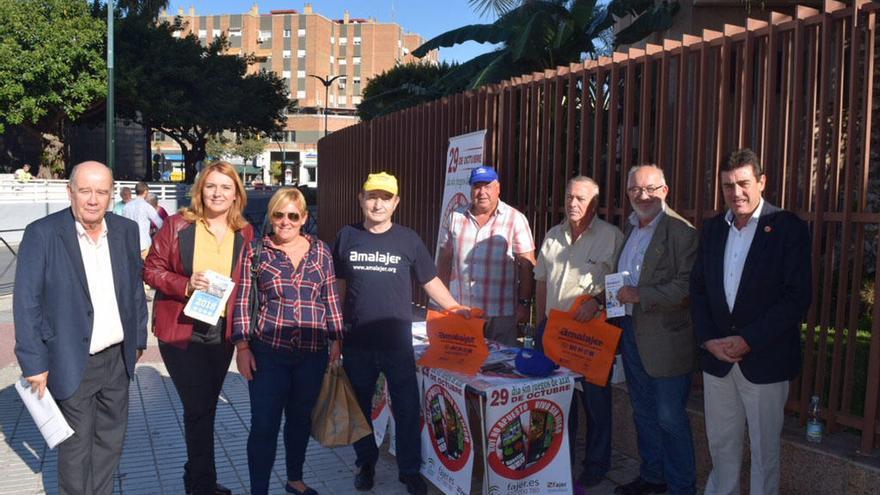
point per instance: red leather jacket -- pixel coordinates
(168, 268)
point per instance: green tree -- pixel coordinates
(541, 34)
(190, 92)
(52, 67)
(217, 147)
(403, 86)
(248, 147)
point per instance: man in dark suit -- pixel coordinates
(81, 324)
(657, 343)
(750, 290)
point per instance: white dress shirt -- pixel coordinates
(633, 255)
(107, 324)
(143, 213)
(736, 249)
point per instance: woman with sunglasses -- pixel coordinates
(284, 354)
(208, 235)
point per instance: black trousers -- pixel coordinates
(98, 414)
(198, 373)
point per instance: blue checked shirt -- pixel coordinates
(299, 307)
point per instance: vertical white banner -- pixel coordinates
(381, 410)
(447, 443)
(527, 443)
(465, 152)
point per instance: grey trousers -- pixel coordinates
(98, 414)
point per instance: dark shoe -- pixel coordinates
(639, 486)
(590, 480)
(218, 490)
(415, 485)
(363, 481)
(307, 491)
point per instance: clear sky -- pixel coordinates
(425, 17)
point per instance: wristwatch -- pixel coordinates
(525, 302)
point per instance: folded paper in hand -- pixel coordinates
(46, 414)
(206, 305)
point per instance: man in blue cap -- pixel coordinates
(487, 253)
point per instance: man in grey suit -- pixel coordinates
(81, 324)
(658, 338)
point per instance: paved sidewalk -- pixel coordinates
(152, 462)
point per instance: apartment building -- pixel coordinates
(297, 45)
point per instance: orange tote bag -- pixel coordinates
(587, 347)
(455, 343)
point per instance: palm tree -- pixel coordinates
(541, 34)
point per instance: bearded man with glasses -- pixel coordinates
(658, 338)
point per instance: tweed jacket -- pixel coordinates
(662, 320)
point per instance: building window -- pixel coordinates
(300, 32)
(175, 34)
(332, 39)
(332, 59)
(300, 53)
(300, 94)
(341, 100)
(285, 54)
(342, 61)
(341, 83)
(203, 33)
(343, 41)
(357, 79)
(266, 35)
(287, 33)
(285, 74)
(215, 32)
(356, 41)
(356, 60)
(301, 74)
(355, 100)
(235, 32)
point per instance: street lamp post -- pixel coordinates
(326, 82)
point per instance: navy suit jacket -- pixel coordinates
(52, 306)
(773, 298)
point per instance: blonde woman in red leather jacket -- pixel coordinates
(208, 235)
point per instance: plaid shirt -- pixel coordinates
(483, 268)
(299, 308)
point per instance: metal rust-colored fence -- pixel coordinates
(801, 91)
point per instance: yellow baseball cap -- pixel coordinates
(381, 182)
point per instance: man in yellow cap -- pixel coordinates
(376, 261)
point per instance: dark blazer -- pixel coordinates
(664, 334)
(773, 297)
(168, 269)
(52, 306)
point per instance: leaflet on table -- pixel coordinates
(613, 283)
(206, 305)
(447, 442)
(527, 439)
(45, 413)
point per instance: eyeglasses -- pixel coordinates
(292, 216)
(650, 190)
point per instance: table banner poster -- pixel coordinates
(456, 343)
(447, 443)
(584, 347)
(381, 410)
(465, 152)
(527, 442)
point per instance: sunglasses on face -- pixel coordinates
(292, 216)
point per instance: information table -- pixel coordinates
(522, 426)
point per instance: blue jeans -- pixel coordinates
(663, 428)
(287, 382)
(597, 405)
(363, 367)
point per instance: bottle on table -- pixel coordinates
(814, 422)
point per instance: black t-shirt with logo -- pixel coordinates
(379, 270)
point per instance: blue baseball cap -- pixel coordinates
(483, 173)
